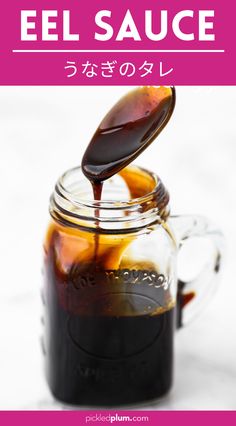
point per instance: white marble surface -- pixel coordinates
(43, 131)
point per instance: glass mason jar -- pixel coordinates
(112, 298)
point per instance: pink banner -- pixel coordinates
(103, 417)
(117, 43)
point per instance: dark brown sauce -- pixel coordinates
(102, 345)
(128, 128)
(97, 194)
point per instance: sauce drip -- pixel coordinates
(128, 128)
(126, 131)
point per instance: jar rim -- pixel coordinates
(67, 203)
(60, 185)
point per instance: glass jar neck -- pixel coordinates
(131, 200)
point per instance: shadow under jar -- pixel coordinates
(110, 290)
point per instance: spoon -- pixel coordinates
(127, 130)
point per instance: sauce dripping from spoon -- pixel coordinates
(127, 130)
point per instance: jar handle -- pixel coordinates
(194, 294)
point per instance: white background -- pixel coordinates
(43, 132)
